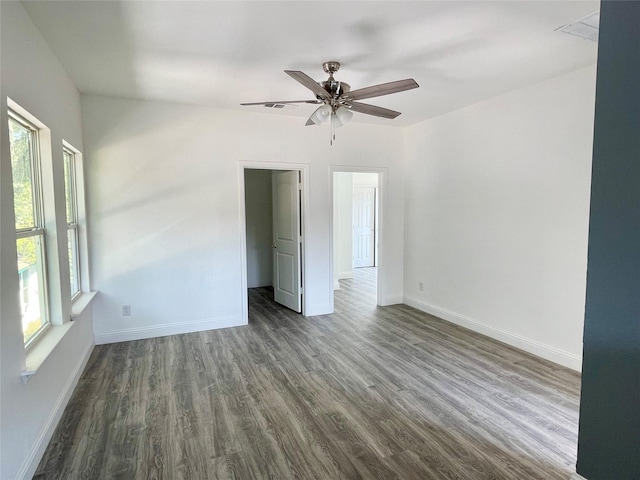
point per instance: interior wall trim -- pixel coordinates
(534, 347)
(393, 299)
(176, 328)
(38, 448)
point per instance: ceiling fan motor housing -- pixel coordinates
(331, 67)
(331, 86)
(334, 88)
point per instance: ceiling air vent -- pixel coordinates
(586, 27)
(279, 105)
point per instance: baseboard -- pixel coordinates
(336, 285)
(260, 284)
(317, 309)
(345, 275)
(534, 347)
(577, 476)
(392, 300)
(30, 464)
(141, 333)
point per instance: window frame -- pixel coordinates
(72, 230)
(38, 230)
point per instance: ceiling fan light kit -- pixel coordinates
(337, 100)
(343, 115)
(321, 115)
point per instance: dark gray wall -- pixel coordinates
(609, 438)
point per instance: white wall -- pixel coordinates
(496, 215)
(32, 77)
(259, 220)
(362, 179)
(342, 226)
(165, 209)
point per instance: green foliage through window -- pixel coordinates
(22, 170)
(29, 227)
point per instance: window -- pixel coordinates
(71, 202)
(30, 231)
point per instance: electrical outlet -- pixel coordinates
(126, 310)
(420, 286)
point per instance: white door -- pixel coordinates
(286, 240)
(364, 219)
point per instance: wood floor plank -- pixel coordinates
(367, 392)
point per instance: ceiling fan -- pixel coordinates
(338, 101)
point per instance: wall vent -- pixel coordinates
(586, 27)
(280, 105)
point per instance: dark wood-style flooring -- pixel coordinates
(367, 392)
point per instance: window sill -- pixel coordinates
(39, 352)
(80, 303)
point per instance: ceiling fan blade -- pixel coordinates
(373, 110)
(284, 102)
(382, 89)
(308, 82)
(310, 121)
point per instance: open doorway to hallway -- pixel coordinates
(355, 234)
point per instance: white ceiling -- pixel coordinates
(222, 53)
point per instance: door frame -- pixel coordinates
(303, 168)
(382, 198)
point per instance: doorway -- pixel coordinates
(273, 220)
(356, 232)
